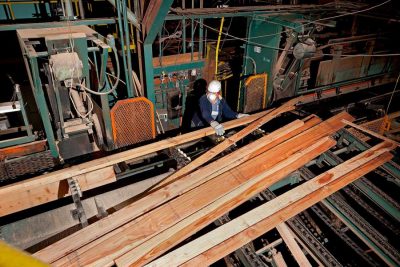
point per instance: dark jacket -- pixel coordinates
(203, 116)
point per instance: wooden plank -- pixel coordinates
(174, 59)
(294, 248)
(311, 253)
(159, 197)
(170, 237)
(142, 228)
(53, 191)
(288, 106)
(22, 150)
(379, 136)
(275, 211)
(156, 198)
(24, 187)
(279, 261)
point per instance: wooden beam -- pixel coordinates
(288, 106)
(56, 178)
(22, 150)
(379, 136)
(139, 230)
(218, 243)
(157, 198)
(42, 194)
(294, 248)
(174, 59)
(278, 259)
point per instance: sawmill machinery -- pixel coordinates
(101, 86)
(283, 52)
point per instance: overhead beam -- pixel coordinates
(98, 21)
(154, 17)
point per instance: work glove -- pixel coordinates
(241, 115)
(218, 128)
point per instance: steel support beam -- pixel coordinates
(13, 27)
(131, 16)
(152, 23)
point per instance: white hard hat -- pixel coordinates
(214, 86)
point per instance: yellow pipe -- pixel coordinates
(131, 30)
(11, 10)
(12, 257)
(77, 8)
(217, 49)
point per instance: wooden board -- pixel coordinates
(53, 191)
(167, 239)
(288, 106)
(291, 243)
(175, 59)
(22, 150)
(55, 178)
(277, 210)
(159, 197)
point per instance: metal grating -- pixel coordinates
(31, 164)
(377, 126)
(255, 93)
(132, 121)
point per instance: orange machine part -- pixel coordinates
(255, 92)
(132, 121)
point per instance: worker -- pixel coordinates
(214, 109)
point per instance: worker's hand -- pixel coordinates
(241, 115)
(218, 128)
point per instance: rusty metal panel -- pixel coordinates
(255, 93)
(132, 121)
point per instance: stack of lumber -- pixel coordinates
(198, 194)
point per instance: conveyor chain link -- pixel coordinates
(342, 234)
(370, 210)
(246, 252)
(381, 193)
(341, 205)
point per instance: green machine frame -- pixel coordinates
(27, 41)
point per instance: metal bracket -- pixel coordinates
(181, 158)
(76, 193)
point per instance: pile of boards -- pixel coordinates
(198, 194)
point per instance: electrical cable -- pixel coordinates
(391, 97)
(281, 49)
(311, 22)
(117, 80)
(229, 27)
